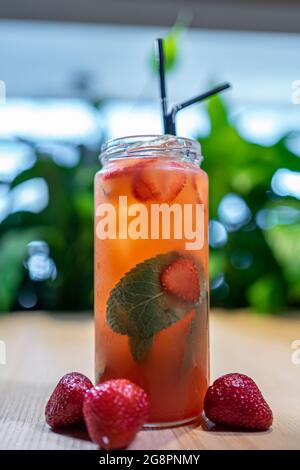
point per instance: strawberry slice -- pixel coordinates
(155, 182)
(126, 167)
(199, 184)
(181, 279)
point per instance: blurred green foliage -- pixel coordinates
(234, 165)
(171, 49)
(66, 225)
(270, 283)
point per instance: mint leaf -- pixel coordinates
(140, 346)
(140, 308)
(193, 337)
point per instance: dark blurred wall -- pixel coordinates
(256, 15)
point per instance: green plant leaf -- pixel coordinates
(140, 308)
(171, 49)
(284, 241)
(266, 294)
(13, 248)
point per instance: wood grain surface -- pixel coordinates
(41, 347)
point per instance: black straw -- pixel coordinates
(169, 117)
(197, 99)
(201, 97)
(162, 78)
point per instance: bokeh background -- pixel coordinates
(77, 73)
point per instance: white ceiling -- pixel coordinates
(49, 59)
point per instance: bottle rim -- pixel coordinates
(152, 145)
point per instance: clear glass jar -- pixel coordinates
(151, 272)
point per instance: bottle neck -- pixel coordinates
(150, 146)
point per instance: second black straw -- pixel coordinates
(169, 117)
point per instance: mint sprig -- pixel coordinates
(139, 307)
(140, 346)
(192, 337)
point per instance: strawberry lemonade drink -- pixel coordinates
(151, 272)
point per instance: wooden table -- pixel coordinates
(42, 347)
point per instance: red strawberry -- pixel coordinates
(235, 400)
(198, 187)
(111, 173)
(114, 411)
(64, 407)
(124, 167)
(181, 279)
(159, 183)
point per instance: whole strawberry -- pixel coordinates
(114, 412)
(235, 400)
(64, 407)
